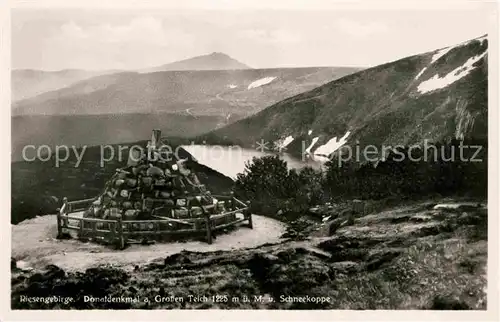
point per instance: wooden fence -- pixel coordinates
(121, 232)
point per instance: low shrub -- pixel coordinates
(274, 190)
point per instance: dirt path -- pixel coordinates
(34, 244)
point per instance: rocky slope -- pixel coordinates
(416, 256)
(434, 96)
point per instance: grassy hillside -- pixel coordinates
(27, 83)
(389, 104)
(202, 92)
(126, 106)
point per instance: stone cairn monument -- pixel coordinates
(155, 184)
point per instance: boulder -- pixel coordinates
(164, 194)
(147, 181)
(131, 214)
(122, 175)
(154, 172)
(127, 205)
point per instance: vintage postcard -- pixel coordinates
(295, 160)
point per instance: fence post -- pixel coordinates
(60, 214)
(209, 230)
(82, 228)
(112, 231)
(59, 226)
(66, 211)
(121, 239)
(94, 229)
(250, 222)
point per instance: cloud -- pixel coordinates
(359, 29)
(140, 30)
(279, 36)
(136, 42)
(72, 30)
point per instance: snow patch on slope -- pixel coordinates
(440, 54)
(287, 140)
(309, 132)
(314, 140)
(232, 86)
(437, 82)
(332, 145)
(281, 144)
(444, 51)
(435, 57)
(421, 72)
(261, 82)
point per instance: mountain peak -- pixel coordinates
(213, 61)
(217, 53)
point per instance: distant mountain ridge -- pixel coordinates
(213, 61)
(27, 83)
(226, 93)
(125, 106)
(435, 96)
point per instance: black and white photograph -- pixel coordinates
(238, 155)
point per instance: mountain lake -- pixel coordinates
(231, 160)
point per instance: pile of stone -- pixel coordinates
(153, 187)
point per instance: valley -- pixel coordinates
(121, 107)
(92, 130)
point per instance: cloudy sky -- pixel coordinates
(98, 39)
